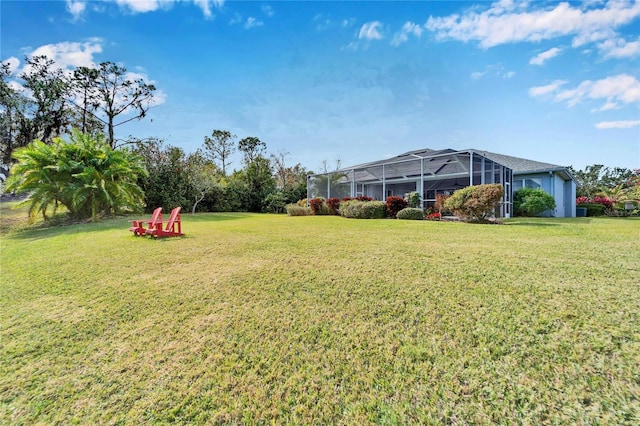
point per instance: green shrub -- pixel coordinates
(296, 210)
(355, 209)
(413, 199)
(593, 209)
(275, 202)
(532, 202)
(411, 213)
(475, 203)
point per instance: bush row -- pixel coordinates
(361, 207)
(603, 201)
(474, 203)
(593, 209)
(296, 210)
(356, 209)
(600, 206)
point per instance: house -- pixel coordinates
(553, 179)
(434, 172)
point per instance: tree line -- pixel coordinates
(597, 179)
(73, 115)
(201, 180)
(45, 101)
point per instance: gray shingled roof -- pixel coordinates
(518, 165)
(521, 165)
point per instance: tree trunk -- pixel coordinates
(193, 210)
(112, 142)
(94, 210)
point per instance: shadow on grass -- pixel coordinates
(539, 224)
(213, 217)
(545, 222)
(59, 226)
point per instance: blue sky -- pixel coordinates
(363, 80)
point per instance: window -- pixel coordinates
(532, 183)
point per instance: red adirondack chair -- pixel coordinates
(172, 229)
(137, 226)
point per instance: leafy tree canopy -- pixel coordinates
(596, 178)
(45, 101)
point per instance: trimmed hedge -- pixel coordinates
(410, 213)
(355, 209)
(593, 209)
(296, 210)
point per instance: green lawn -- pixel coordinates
(322, 320)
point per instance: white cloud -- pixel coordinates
(574, 96)
(236, 19)
(624, 124)
(70, 54)
(622, 88)
(493, 70)
(545, 90)
(14, 64)
(351, 46)
(159, 97)
(542, 57)
(502, 23)
(324, 22)
(619, 48)
(617, 91)
(346, 23)
(371, 31)
(409, 28)
(267, 10)
(76, 8)
(205, 6)
(144, 6)
(593, 36)
(252, 23)
(16, 87)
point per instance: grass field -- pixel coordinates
(321, 320)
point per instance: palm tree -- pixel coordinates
(618, 195)
(35, 173)
(85, 175)
(107, 182)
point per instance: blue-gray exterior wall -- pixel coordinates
(563, 191)
(570, 198)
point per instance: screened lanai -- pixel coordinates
(427, 172)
